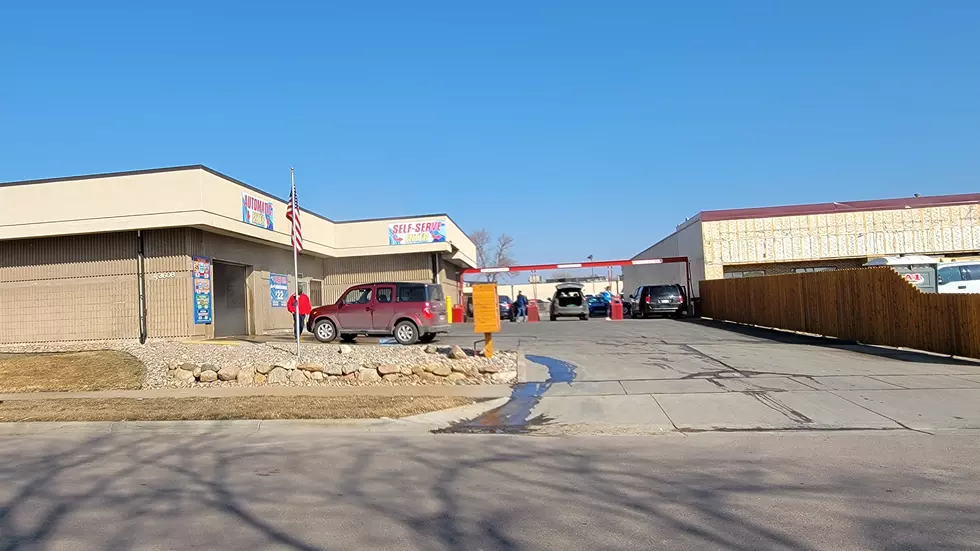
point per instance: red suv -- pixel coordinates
(411, 312)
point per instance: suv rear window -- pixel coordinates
(435, 293)
(661, 290)
(411, 293)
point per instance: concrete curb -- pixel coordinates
(422, 422)
(521, 367)
(466, 391)
(443, 418)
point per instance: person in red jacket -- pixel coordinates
(304, 309)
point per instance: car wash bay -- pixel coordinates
(230, 302)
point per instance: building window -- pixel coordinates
(811, 270)
(750, 273)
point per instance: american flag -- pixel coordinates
(292, 214)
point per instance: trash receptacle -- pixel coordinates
(616, 308)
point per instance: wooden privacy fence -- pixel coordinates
(869, 305)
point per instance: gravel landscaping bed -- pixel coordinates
(181, 364)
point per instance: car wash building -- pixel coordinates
(812, 238)
(188, 252)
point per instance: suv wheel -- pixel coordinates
(406, 333)
(324, 330)
(584, 317)
(426, 338)
(347, 337)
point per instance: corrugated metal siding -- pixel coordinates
(351, 271)
(344, 272)
(166, 251)
(69, 288)
(69, 309)
(169, 288)
(75, 256)
(169, 306)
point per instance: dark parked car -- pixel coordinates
(665, 300)
(411, 312)
(506, 307)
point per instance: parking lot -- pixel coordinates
(698, 375)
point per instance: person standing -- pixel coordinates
(521, 304)
(304, 310)
(607, 298)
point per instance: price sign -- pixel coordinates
(279, 290)
(486, 308)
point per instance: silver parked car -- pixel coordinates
(569, 301)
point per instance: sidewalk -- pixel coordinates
(467, 391)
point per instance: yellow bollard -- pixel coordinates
(449, 310)
(488, 345)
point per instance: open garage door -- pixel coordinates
(230, 305)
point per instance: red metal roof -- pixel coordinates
(851, 206)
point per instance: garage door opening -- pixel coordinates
(230, 306)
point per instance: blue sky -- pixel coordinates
(577, 127)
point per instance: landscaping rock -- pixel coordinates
(368, 375)
(489, 368)
(196, 372)
(309, 366)
(456, 376)
(504, 377)
(208, 376)
(334, 370)
(441, 370)
(466, 370)
(348, 369)
(389, 369)
(209, 367)
(229, 373)
(259, 379)
(392, 377)
(246, 376)
(188, 367)
(457, 353)
(279, 375)
(297, 376)
(345, 349)
(431, 349)
(288, 365)
(418, 370)
(264, 369)
(406, 370)
(316, 375)
(184, 375)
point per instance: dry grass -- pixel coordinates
(70, 371)
(243, 407)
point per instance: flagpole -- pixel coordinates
(292, 181)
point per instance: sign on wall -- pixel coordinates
(415, 233)
(202, 289)
(256, 212)
(279, 290)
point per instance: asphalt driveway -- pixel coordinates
(696, 375)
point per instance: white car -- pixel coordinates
(958, 277)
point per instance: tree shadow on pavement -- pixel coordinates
(316, 489)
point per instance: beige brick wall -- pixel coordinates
(933, 230)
